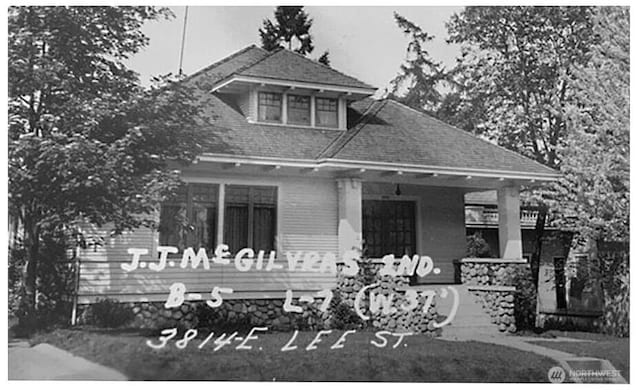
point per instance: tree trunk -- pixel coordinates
(537, 243)
(29, 277)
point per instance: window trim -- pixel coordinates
(341, 117)
(222, 184)
(310, 98)
(188, 204)
(282, 107)
(337, 101)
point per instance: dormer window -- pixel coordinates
(270, 107)
(298, 109)
(327, 112)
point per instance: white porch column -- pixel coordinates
(349, 214)
(509, 223)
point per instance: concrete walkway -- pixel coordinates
(568, 361)
(46, 362)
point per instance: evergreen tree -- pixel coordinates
(291, 30)
(416, 84)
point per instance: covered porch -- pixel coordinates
(399, 213)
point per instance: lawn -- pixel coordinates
(615, 350)
(416, 359)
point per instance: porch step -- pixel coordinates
(470, 318)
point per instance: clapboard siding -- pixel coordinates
(307, 221)
(115, 247)
(309, 216)
(99, 280)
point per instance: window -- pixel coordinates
(189, 219)
(250, 217)
(298, 109)
(327, 112)
(389, 226)
(270, 107)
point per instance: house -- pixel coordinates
(300, 159)
(568, 294)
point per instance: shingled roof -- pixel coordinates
(280, 64)
(392, 132)
(379, 131)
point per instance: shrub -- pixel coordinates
(477, 246)
(616, 285)
(108, 313)
(525, 298)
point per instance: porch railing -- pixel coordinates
(488, 216)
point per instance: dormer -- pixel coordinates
(288, 89)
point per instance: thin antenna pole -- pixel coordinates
(184, 34)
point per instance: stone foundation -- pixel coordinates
(415, 320)
(341, 314)
(231, 314)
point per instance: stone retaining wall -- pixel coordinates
(496, 283)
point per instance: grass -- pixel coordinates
(613, 349)
(423, 359)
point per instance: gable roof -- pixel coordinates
(287, 65)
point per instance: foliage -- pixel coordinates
(525, 299)
(86, 142)
(617, 289)
(108, 313)
(416, 84)
(324, 58)
(291, 27)
(291, 23)
(477, 246)
(517, 63)
(594, 192)
(343, 316)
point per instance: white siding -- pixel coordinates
(306, 221)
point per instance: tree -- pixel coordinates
(292, 23)
(86, 142)
(517, 70)
(594, 192)
(518, 62)
(416, 84)
(324, 58)
(291, 30)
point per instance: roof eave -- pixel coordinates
(355, 92)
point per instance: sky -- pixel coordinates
(363, 42)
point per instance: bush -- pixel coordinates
(343, 316)
(616, 285)
(525, 299)
(477, 246)
(108, 313)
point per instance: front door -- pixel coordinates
(389, 227)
